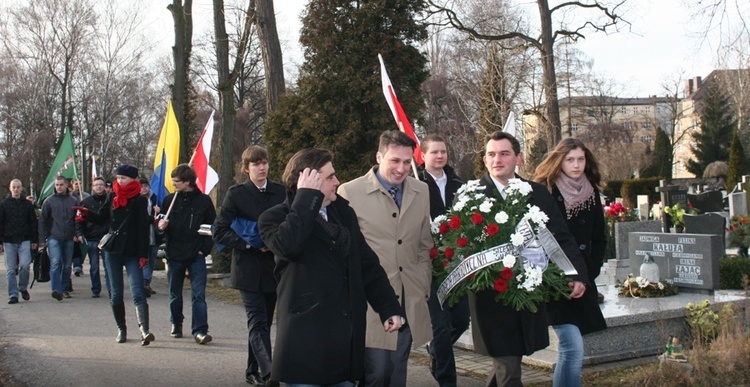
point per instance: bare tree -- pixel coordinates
(600, 16)
(274, 65)
(182, 14)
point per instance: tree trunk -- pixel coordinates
(226, 102)
(547, 53)
(183, 45)
(272, 61)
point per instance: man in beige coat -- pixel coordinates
(393, 210)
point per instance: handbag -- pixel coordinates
(107, 243)
(41, 267)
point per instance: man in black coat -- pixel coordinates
(97, 203)
(187, 250)
(327, 275)
(252, 265)
(448, 322)
(501, 331)
(18, 235)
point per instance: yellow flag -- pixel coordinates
(167, 156)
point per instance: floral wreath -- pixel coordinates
(484, 243)
(640, 287)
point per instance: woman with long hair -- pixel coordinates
(130, 221)
(572, 175)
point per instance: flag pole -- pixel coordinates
(413, 163)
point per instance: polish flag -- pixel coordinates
(398, 112)
(93, 169)
(207, 177)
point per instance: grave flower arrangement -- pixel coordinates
(739, 233)
(639, 287)
(677, 213)
(479, 245)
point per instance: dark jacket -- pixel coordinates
(97, 204)
(588, 229)
(58, 218)
(453, 183)
(500, 330)
(322, 293)
(132, 240)
(252, 269)
(18, 221)
(191, 209)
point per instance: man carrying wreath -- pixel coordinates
(501, 331)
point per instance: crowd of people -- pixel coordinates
(345, 268)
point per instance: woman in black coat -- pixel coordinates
(571, 173)
(252, 265)
(327, 275)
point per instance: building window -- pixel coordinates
(624, 110)
(628, 125)
(635, 109)
(647, 109)
(646, 139)
(646, 125)
(574, 128)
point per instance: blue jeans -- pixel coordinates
(448, 324)
(176, 278)
(60, 258)
(94, 254)
(342, 384)
(77, 256)
(148, 270)
(115, 263)
(259, 309)
(17, 253)
(570, 356)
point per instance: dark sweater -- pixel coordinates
(18, 221)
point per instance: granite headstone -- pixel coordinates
(709, 201)
(623, 229)
(689, 261)
(709, 224)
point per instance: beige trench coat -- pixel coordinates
(402, 241)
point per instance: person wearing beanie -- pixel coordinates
(129, 220)
(188, 209)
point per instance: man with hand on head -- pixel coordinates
(327, 275)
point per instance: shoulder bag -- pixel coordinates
(107, 243)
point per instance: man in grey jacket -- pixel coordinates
(57, 231)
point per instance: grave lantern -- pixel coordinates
(649, 269)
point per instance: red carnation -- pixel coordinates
(462, 242)
(501, 285)
(477, 219)
(445, 264)
(444, 228)
(492, 229)
(448, 253)
(454, 222)
(506, 273)
(433, 252)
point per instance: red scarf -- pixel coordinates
(123, 194)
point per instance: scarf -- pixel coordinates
(577, 193)
(123, 194)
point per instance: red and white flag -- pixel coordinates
(398, 112)
(207, 177)
(93, 169)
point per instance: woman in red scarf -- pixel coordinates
(129, 215)
(571, 174)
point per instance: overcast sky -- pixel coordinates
(661, 43)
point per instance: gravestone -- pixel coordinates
(737, 204)
(643, 206)
(710, 201)
(670, 195)
(689, 261)
(623, 230)
(708, 224)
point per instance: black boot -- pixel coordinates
(141, 313)
(122, 330)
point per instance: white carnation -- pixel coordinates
(509, 260)
(501, 217)
(537, 216)
(486, 206)
(516, 239)
(518, 185)
(460, 203)
(435, 225)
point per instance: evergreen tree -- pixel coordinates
(338, 103)
(738, 165)
(717, 125)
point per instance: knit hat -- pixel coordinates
(127, 170)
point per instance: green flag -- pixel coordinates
(64, 164)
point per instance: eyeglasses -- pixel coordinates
(175, 181)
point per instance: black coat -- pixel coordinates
(588, 229)
(252, 269)
(190, 211)
(18, 221)
(132, 240)
(437, 207)
(92, 230)
(500, 330)
(322, 295)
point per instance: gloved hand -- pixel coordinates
(81, 213)
(142, 262)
